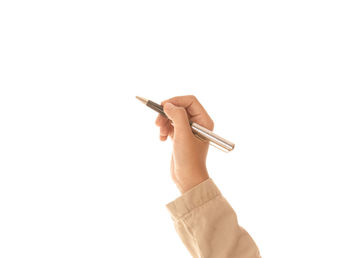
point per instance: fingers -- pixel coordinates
(161, 120)
(186, 108)
(164, 131)
(189, 102)
(195, 110)
(179, 117)
(165, 128)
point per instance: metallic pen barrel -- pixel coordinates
(214, 139)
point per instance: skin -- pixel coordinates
(188, 158)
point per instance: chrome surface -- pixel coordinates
(214, 139)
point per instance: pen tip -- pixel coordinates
(143, 100)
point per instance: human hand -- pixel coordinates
(188, 159)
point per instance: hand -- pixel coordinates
(188, 159)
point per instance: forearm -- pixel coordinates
(208, 225)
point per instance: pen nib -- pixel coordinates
(143, 100)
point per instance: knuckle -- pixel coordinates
(157, 121)
(195, 100)
(160, 120)
(193, 97)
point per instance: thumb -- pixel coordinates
(178, 115)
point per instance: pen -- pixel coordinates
(199, 131)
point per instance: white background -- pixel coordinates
(82, 170)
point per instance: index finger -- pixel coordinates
(194, 109)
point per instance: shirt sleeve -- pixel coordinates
(208, 226)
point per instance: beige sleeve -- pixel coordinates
(207, 224)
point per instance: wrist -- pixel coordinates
(186, 185)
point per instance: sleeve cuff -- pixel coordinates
(193, 198)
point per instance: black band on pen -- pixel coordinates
(156, 107)
(159, 109)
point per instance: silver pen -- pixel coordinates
(199, 131)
